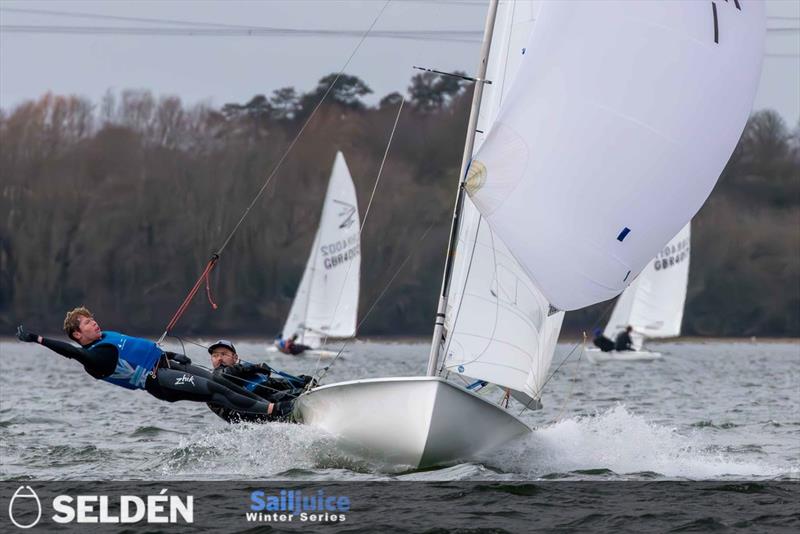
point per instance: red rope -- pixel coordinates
(203, 277)
(208, 293)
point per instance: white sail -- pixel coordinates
(326, 302)
(653, 304)
(617, 126)
(577, 149)
(497, 324)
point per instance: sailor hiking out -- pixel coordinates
(274, 386)
(136, 363)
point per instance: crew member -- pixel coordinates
(255, 378)
(624, 340)
(293, 347)
(602, 342)
(136, 363)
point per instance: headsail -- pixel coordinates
(616, 128)
(326, 302)
(653, 304)
(497, 324)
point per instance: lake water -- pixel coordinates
(714, 410)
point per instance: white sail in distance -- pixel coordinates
(497, 325)
(653, 304)
(617, 126)
(326, 302)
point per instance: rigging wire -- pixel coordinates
(361, 229)
(571, 384)
(218, 253)
(303, 128)
(602, 318)
(396, 273)
(379, 297)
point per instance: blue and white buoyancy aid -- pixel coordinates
(137, 358)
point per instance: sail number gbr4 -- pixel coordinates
(341, 251)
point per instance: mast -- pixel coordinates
(433, 358)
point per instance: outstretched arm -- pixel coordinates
(99, 363)
(65, 349)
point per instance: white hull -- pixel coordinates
(316, 353)
(597, 356)
(414, 421)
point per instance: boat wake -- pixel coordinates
(618, 444)
(612, 445)
(276, 451)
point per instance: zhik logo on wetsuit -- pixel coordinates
(185, 379)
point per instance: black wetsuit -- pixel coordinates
(624, 341)
(258, 379)
(174, 380)
(603, 343)
(296, 348)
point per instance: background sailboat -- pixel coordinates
(653, 304)
(605, 105)
(326, 302)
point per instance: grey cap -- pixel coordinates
(222, 343)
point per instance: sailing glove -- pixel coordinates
(24, 335)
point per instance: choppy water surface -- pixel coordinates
(708, 410)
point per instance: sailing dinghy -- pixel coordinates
(326, 303)
(603, 131)
(652, 304)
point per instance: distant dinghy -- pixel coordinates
(653, 304)
(326, 302)
(603, 131)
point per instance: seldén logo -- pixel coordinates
(24, 499)
(122, 509)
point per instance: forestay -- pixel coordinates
(614, 132)
(497, 325)
(326, 303)
(653, 304)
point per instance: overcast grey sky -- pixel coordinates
(167, 59)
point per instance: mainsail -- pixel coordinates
(497, 324)
(618, 123)
(653, 303)
(326, 302)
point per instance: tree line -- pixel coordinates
(119, 204)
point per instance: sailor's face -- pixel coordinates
(224, 357)
(88, 331)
